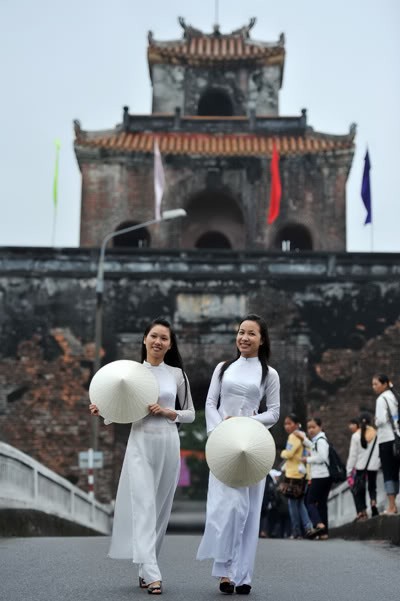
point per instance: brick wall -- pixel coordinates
(313, 195)
(334, 321)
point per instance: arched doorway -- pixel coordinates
(213, 240)
(139, 238)
(214, 220)
(294, 238)
(215, 103)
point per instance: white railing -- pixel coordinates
(341, 506)
(26, 483)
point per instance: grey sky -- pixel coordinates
(85, 59)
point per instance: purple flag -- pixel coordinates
(366, 189)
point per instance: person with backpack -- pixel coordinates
(294, 483)
(364, 459)
(387, 424)
(321, 481)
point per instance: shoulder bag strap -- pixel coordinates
(391, 420)
(316, 448)
(370, 455)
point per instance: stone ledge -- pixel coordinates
(381, 527)
(30, 522)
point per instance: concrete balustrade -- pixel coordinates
(27, 484)
(341, 506)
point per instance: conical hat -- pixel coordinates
(240, 451)
(123, 391)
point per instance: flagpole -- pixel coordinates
(53, 232)
(55, 191)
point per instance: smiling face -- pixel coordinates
(248, 339)
(157, 343)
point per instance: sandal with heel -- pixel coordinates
(154, 588)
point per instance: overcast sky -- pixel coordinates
(85, 59)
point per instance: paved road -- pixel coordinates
(76, 569)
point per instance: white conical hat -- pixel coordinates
(123, 391)
(240, 451)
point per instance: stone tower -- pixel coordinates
(215, 115)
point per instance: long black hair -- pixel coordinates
(172, 356)
(365, 421)
(264, 349)
(384, 379)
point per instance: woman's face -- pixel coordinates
(378, 387)
(248, 339)
(157, 342)
(312, 428)
(289, 425)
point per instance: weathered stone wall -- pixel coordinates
(247, 87)
(115, 191)
(333, 318)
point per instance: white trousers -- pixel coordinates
(145, 494)
(232, 530)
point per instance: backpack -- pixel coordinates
(336, 467)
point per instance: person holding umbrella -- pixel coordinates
(150, 471)
(244, 386)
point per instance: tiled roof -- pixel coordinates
(243, 145)
(208, 49)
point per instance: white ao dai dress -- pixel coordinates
(149, 477)
(233, 514)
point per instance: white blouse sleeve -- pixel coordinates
(353, 453)
(381, 414)
(213, 417)
(187, 415)
(320, 453)
(272, 388)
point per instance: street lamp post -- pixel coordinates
(166, 215)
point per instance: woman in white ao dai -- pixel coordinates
(233, 514)
(151, 467)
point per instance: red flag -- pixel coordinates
(276, 188)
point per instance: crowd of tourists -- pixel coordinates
(295, 503)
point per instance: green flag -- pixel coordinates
(55, 182)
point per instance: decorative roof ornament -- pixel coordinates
(244, 31)
(191, 32)
(188, 30)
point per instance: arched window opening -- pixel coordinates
(294, 238)
(139, 238)
(215, 103)
(214, 220)
(213, 240)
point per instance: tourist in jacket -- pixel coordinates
(364, 458)
(318, 460)
(387, 404)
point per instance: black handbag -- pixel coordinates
(292, 488)
(360, 481)
(396, 442)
